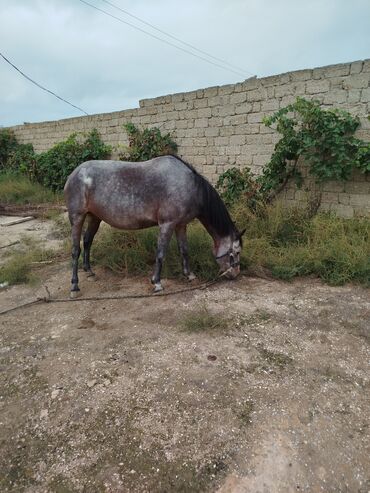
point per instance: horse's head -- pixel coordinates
(227, 254)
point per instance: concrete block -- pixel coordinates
(365, 95)
(336, 96)
(361, 200)
(238, 97)
(366, 66)
(255, 117)
(200, 103)
(317, 86)
(356, 67)
(257, 94)
(238, 119)
(242, 108)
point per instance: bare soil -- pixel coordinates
(115, 396)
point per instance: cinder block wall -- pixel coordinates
(220, 127)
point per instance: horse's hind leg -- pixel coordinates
(183, 248)
(92, 228)
(165, 233)
(76, 221)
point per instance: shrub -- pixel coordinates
(325, 141)
(8, 144)
(235, 184)
(323, 138)
(147, 144)
(55, 165)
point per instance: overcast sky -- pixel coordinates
(103, 65)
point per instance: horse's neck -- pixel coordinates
(218, 240)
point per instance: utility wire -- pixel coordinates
(176, 39)
(161, 39)
(40, 86)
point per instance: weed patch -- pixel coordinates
(290, 243)
(201, 320)
(20, 266)
(20, 190)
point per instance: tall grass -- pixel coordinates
(18, 189)
(133, 252)
(287, 242)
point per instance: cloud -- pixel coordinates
(103, 65)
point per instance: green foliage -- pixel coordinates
(290, 242)
(8, 144)
(50, 168)
(323, 138)
(55, 165)
(235, 184)
(147, 144)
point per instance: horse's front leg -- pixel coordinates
(182, 243)
(165, 233)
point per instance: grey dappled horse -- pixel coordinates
(164, 191)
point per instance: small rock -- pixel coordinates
(54, 394)
(44, 413)
(91, 383)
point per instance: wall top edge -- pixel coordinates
(259, 81)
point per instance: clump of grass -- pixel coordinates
(133, 252)
(201, 320)
(287, 242)
(290, 242)
(280, 360)
(245, 413)
(257, 317)
(18, 189)
(20, 266)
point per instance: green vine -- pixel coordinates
(146, 144)
(325, 141)
(323, 138)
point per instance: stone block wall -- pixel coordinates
(220, 127)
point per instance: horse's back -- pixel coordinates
(131, 195)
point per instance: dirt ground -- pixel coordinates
(116, 396)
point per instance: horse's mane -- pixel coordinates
(213, 210)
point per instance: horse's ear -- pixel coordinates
(242, 232)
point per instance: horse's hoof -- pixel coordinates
(191, 276)
(74, 294)
(158, 288)
(91, 277)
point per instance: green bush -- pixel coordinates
(50, 168)
(323, 138)
(55, 165)
(8, 143)
(236, 184)
(146, 144)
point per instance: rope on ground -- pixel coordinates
(49, 299)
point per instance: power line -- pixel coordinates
(161, 39)
(176, 39)
(40, 86)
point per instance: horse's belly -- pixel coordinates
(125, 217)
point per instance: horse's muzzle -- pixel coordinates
(232, 272)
